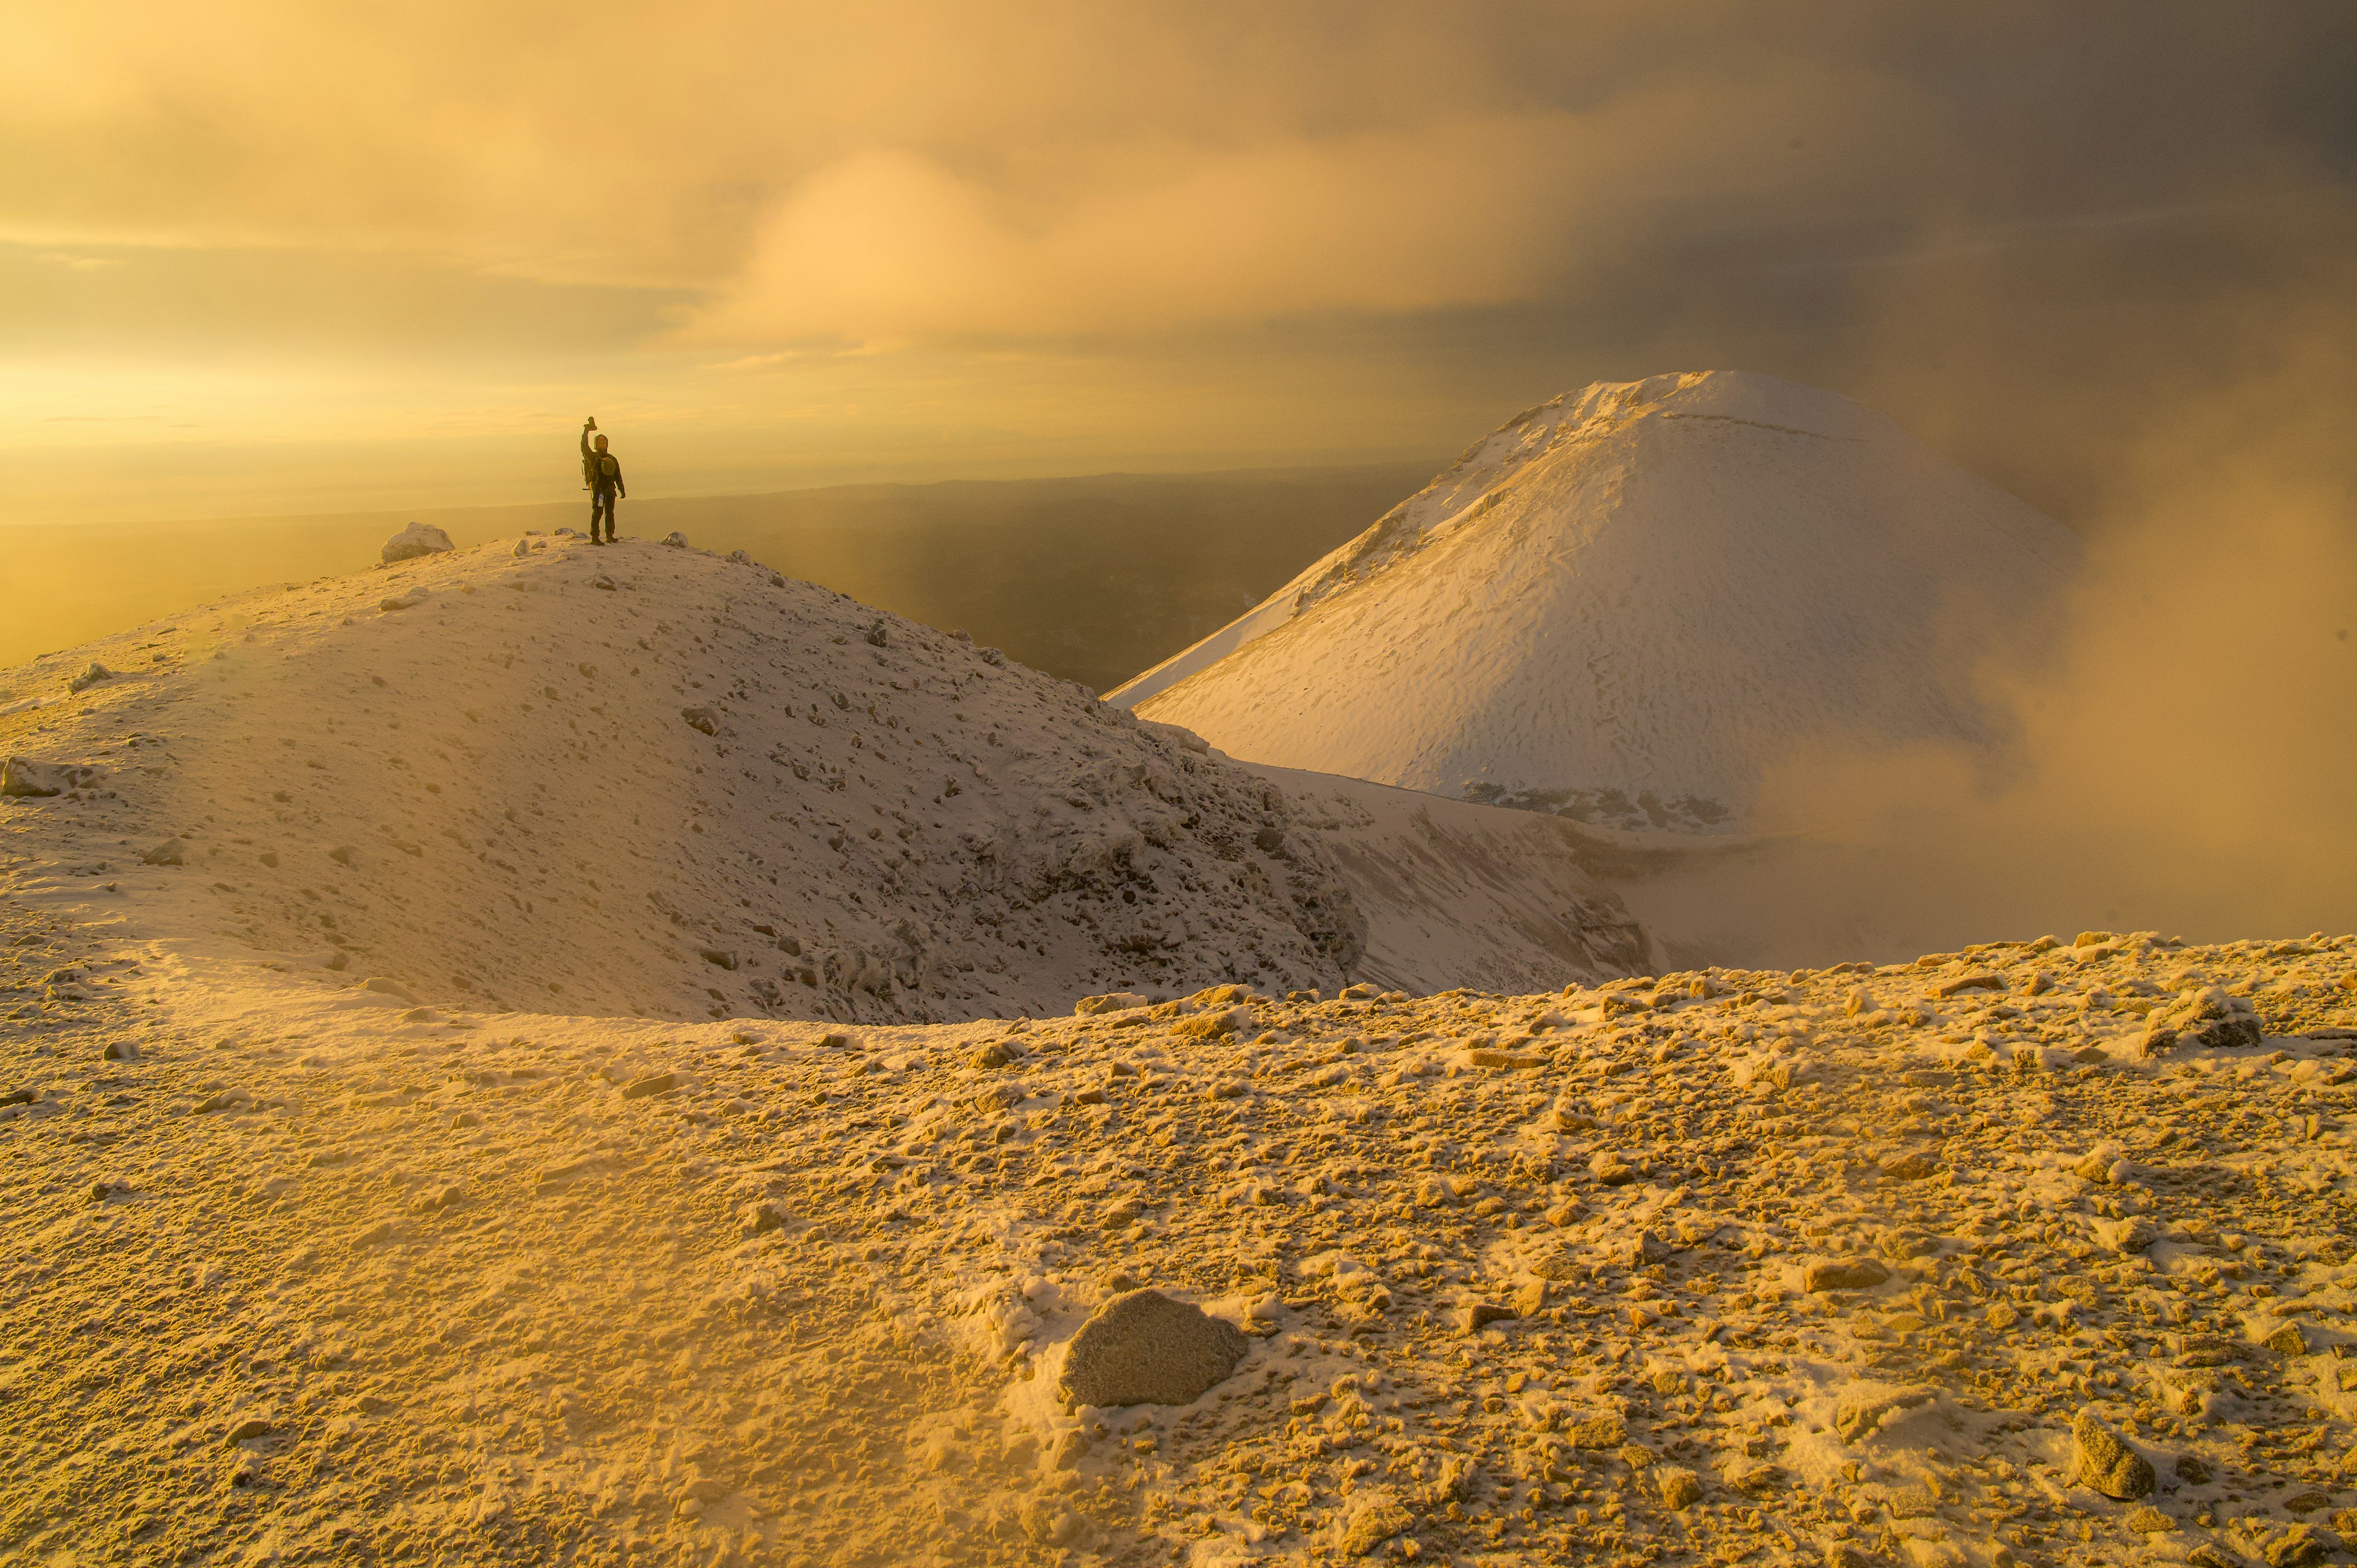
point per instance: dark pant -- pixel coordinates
(601, 504)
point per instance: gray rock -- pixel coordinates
(875, 634)
(418, 539)
(1142, 1347)
(90, 677)
(21, 777)
(165, 854)
(702, 719)
(2106, 1464)
(675, 539)
(1831, 1274)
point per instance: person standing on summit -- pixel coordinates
(602, 472)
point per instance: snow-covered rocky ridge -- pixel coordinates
(1629, 602)
(651, 780)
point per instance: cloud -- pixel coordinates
(1049, 167)
(1442, 213)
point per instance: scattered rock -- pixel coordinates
(1475, 1315)
(523, 548)
(247, 1430)
(875, 634)
(2288, 1341)
(994, 1054)
(1605, 1430)
(1643, 1249)
(2106, 1464)
(1612, 1170)
(2132, 1234)
(90, 677)
(1829, 1273)
(760, 1218)
(2149, 1520)
(1680, 1486)
(418, 539)
(1912, 1166)
(653, 1084)
(1142, 1347)
(1863, 1408)
(702, 719)
(2193, 1470)
(2298, 1547)
(416, 597)
(169, 852)
(436, 1200)
(120, 1051)
(1368, 1519)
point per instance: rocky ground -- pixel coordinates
(2035, 1253)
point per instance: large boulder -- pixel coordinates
(1141, 1348)
(417, 539)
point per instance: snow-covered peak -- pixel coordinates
(1625, 602)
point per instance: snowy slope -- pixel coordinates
(654, 781)
(1626, 603)
(1452, 893)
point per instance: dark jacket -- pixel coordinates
(600, 470)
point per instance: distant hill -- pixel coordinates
(1090, 579)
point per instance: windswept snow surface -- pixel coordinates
(1627, 603)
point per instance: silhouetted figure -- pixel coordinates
(602, 472)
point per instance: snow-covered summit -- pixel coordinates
(1627, 603)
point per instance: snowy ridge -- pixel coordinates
(1625, 603)
(657, 782)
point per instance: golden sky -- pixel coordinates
(266, 255)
